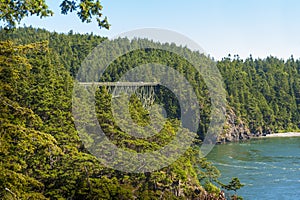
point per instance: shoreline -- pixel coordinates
(288, 134)
(274, 135)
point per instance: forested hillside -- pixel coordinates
(263, 94)
(41, 155)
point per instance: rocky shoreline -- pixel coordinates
(235, 130)
(242, 136)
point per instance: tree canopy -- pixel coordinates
(12, 12)
(42, 156)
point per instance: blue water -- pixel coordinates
(269, 168)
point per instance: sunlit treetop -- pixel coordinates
(13, 11)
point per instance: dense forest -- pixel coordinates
(42, 156)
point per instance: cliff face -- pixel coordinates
(234, 129)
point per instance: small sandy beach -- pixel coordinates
(289, 134)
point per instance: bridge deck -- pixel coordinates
(120, 84)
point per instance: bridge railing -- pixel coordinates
(121, 84)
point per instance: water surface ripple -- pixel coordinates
(269, 168)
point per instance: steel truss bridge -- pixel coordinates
(145, 91)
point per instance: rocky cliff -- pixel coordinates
(234, 129)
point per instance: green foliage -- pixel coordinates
(24, 150)
(208, 172)
(68, 50)
(42, 156)
(12, 12)
(209, 187)
(86, 10)
(263, 93)
(234, 185)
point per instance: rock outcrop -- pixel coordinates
(234, 129)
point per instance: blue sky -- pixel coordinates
(220, 27)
